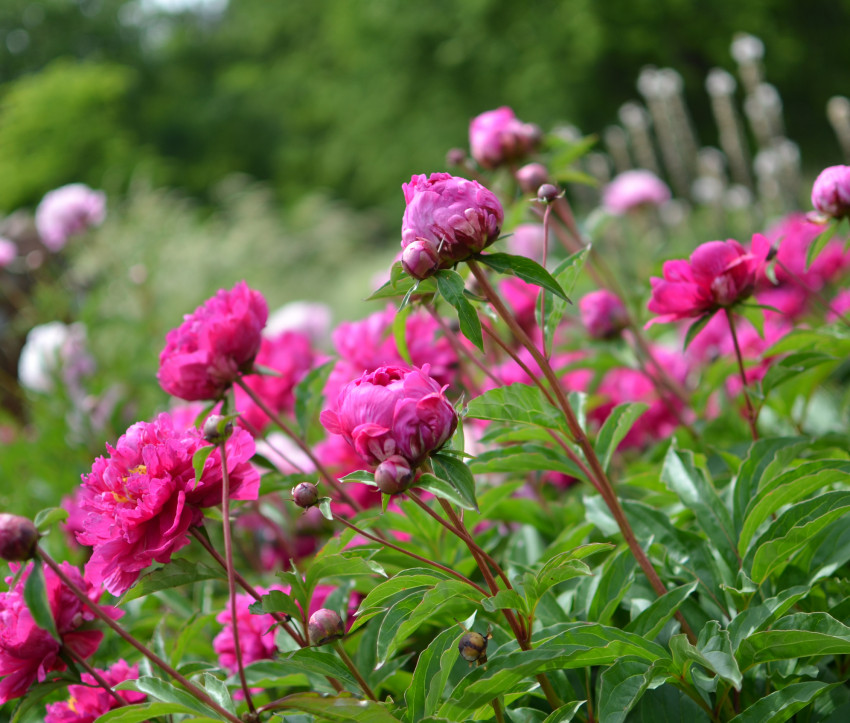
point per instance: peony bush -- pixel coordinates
(534, 485)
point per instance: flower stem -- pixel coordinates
(231, 578)
(127, 637)
(546, 214)
(752, 415)
(349, 663)
(94, 674)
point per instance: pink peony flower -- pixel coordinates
(498, 136)
(393, 411)
(8, 252)
(204, 355)
(142, 499)
(531, 176)
(459, 217)
(28, 653)
(603, 314)
(526, 240)
(256, 633)
(523, 299)
(718, 275)
(67, 211)
(632, 189)
(291, 355)
(88, 702)
(831, 191)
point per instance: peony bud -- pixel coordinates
(547, 193)
(531, 176)
(831, 191)
(393, 475)
(455, 157)
(217, 429)
(603, 314)
(18, 538)
(324, 627)
(305, 494)
(473, 647)
(420, 259)
(498, 136)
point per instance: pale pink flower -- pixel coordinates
(831, 191)
(8, 252)
(67, 211)
(498, 136)
(633, 189)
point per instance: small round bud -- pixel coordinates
(217, 429)
(456, 157)
(420, 259)
(547, 193)
(531, 176)
(305, 494)
(324, 627)
(472, 647)
(393, 475)
(18, 538)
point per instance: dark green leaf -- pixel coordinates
(276, 601)
(795, 636)
(696, 328)
(46, 518)
(565, 713)
(338, 709)
(345, 564)
(617, 577)
(399, 329)
(780, 705)
(144, 712)
(617, 425)
(429, 679)
(522, 459)
(458, 475)
(621, 687)
(442, 489)
(451, 287)
(717, 658)
(651, 621)
(526, 269)
(167, 693)
(308, 395)
(35, 596)
(757, 617)
(176, 573)
(306, 660)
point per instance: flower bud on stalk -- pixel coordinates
(831, 192)
(217, 429)
(394, 475)
(324, 627)
(547, 193)
(305, 494)
(420, 259)
(18, 538)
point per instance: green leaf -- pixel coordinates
(199, 459)
(621, 687)
(217, 690)
(34, 697)
(650, 622)
(442, 489)
(820, 242)
(526, 269)
(566, 274)
(450, 283)
(432, 672)
(276, 601)
(324, 505)
(792, 366)
(756, 617)
(717, 658)
(697, 493)
(338, 709)
(517, 403)
(305, 660)
(361, 475)
(344, 564)
(571, 152)
(795, 636)
(176, 573)
(617, 425)
(780, 705)
(506, 600)
(458, 475)
(35, 596)
(715, 645)
(399, 329)
(143, 712)
(46, 518)
(522, 459)
(792, 531)
(414, 577)
(167, 693)
(696, 328)
(309, 397)
(565, 713)
(617, 577)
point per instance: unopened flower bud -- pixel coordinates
(473, 647)
(18, 538)
(547, 193)
(455, 157)
(603, 314)
(531, 176)
(831, 192)
(305, 494)
(217, 429)
(324, 627)
(393, 475)
(420, 259)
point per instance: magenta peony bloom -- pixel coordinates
(831, 191)
(204, 355)
(86, 703)
(256, 633)
(67, 211)
(142, 499)
(603, 314)
(393, 411)
(28, 653)
(719, 274)
(498, 137)
(291, 355)
(459, 217)
(633, 189)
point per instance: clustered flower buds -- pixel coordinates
(18, 538)
(831, 191)
(324, 627)
(305, 494)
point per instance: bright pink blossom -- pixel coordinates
(459, 217)
(27, 652)
(67, 211)
(393, 411)
(831, 191)
(291, 355)
(498, 136)
(603, 314)
(88, 702)
(256, 634)
(632, 189)
(206, 353)
(718, 275)
(142, 499)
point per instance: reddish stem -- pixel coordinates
(752, 415)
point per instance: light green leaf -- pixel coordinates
(651, 621)
(450, 283)
(199, 459)
(309, 395)
(795, 636)
(46, 518)
(167, 693)
(525, 269)
(517, 403)
(458, 475)
(176, 573)
(144, 712)
(35, 596)
(442, 489)
(218, 691)
(616, 427)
